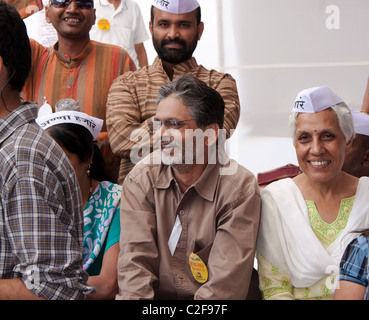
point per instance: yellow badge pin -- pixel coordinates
(103, 24)
(198, 268)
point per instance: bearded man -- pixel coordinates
(190, 220)
(176, 28)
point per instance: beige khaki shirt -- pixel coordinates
(131, 104)
(219, 216)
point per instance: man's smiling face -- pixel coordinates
(71, 22)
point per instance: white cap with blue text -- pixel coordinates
(361, 122)
(315, 99)
(176, 6)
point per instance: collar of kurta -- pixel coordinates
(122, 4)
(66, 59)
(188, 66)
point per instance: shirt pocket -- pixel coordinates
(204, 253)
(125, 36)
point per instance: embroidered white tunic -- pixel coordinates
(288, 241)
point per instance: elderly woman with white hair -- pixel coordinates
(307, 222)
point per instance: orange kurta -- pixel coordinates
(87, 77)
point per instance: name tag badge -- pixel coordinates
(198, 268)
(175, 235)
(103, 24)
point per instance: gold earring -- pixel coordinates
(88, 170)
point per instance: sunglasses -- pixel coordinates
(170, 123)
(81, 4)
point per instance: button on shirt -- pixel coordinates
(41, 223)
(219, 217)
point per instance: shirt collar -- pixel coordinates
(122, 5)
(27, 112)
(72, 63)
(180, 68)
(207, 183)
(205, 186)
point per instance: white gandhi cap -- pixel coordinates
(66, 112)
(315, 99)
(176, 6)
(361, 122)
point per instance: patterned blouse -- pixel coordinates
(101, 225)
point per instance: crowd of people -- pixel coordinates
(115, 181)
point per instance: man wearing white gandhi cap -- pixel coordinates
(357, 160)
(176, 28)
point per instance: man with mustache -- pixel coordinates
(76, 67)
(176, 28)
(189, 220)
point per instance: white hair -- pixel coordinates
(343, 114)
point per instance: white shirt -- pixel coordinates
(124, 26)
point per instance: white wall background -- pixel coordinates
(274, 49)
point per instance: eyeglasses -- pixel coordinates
(170, 123)
(81, 4)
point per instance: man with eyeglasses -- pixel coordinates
(190, 215)
(176, 27)
(76, 67)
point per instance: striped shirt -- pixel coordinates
(87, 77)
(354, 263)
(131, 103)
(41, 222)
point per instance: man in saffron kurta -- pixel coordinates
(76, 67)
(86, 77)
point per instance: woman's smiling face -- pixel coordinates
(320, 145)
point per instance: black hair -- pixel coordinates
(78, 140)
(15, 48)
